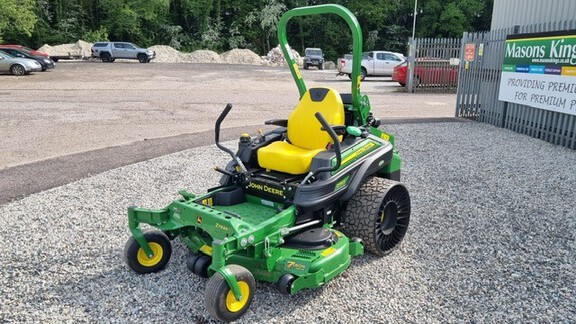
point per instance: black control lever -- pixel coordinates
(217, 137)
(336, 140)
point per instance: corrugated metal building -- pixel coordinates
(508, 13)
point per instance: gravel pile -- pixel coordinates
(80, 48)
(276, 58)
(203, 56)
(167, 54)
(491, 240)
(241, 56)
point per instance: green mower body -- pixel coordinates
(295, 229)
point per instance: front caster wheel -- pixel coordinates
(219, 299)
(378, 213)
(137, 259)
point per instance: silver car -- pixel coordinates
(18, 66)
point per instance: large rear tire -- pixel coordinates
(379, 214)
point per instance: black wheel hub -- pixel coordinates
(388, 218)
(392, 220)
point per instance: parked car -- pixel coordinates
(17, 65)
(314, 57)
(374, 63)
(429, 71)
(20, 47)
(110, 51)
(45, 62)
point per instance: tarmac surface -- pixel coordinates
(86, 117)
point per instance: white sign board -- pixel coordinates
(539, 70)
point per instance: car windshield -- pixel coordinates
(314, 52)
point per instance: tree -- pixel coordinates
(268, 18)
(17, 16)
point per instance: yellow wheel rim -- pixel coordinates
(232, 304)
(144, 260)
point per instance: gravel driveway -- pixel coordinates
(492, 239)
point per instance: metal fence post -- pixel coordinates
(505, 107)
(410, 71)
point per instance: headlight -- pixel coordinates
(47, 61)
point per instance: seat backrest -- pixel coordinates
(303, 127)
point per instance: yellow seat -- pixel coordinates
(305, 136)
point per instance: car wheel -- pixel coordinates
(112, 60)
(402, 84)
(416, 82)
(305, 66)
(17, 69)
(321, 66)
(143, 58)
(106, 58)
(363, 74)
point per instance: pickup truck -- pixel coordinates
(374, 63)
(110, 51)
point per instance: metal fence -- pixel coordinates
(478, 87)
(433, 64)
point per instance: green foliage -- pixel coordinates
(221, 25)
(17, 16)
(101, 34)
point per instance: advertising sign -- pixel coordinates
(539, 70)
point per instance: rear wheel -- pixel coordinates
(17, 69)
(219, 299)
(363, 74)
(106, 57)
(378, 213)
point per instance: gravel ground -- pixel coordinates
(491, 240)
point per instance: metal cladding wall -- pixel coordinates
(508, 13)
